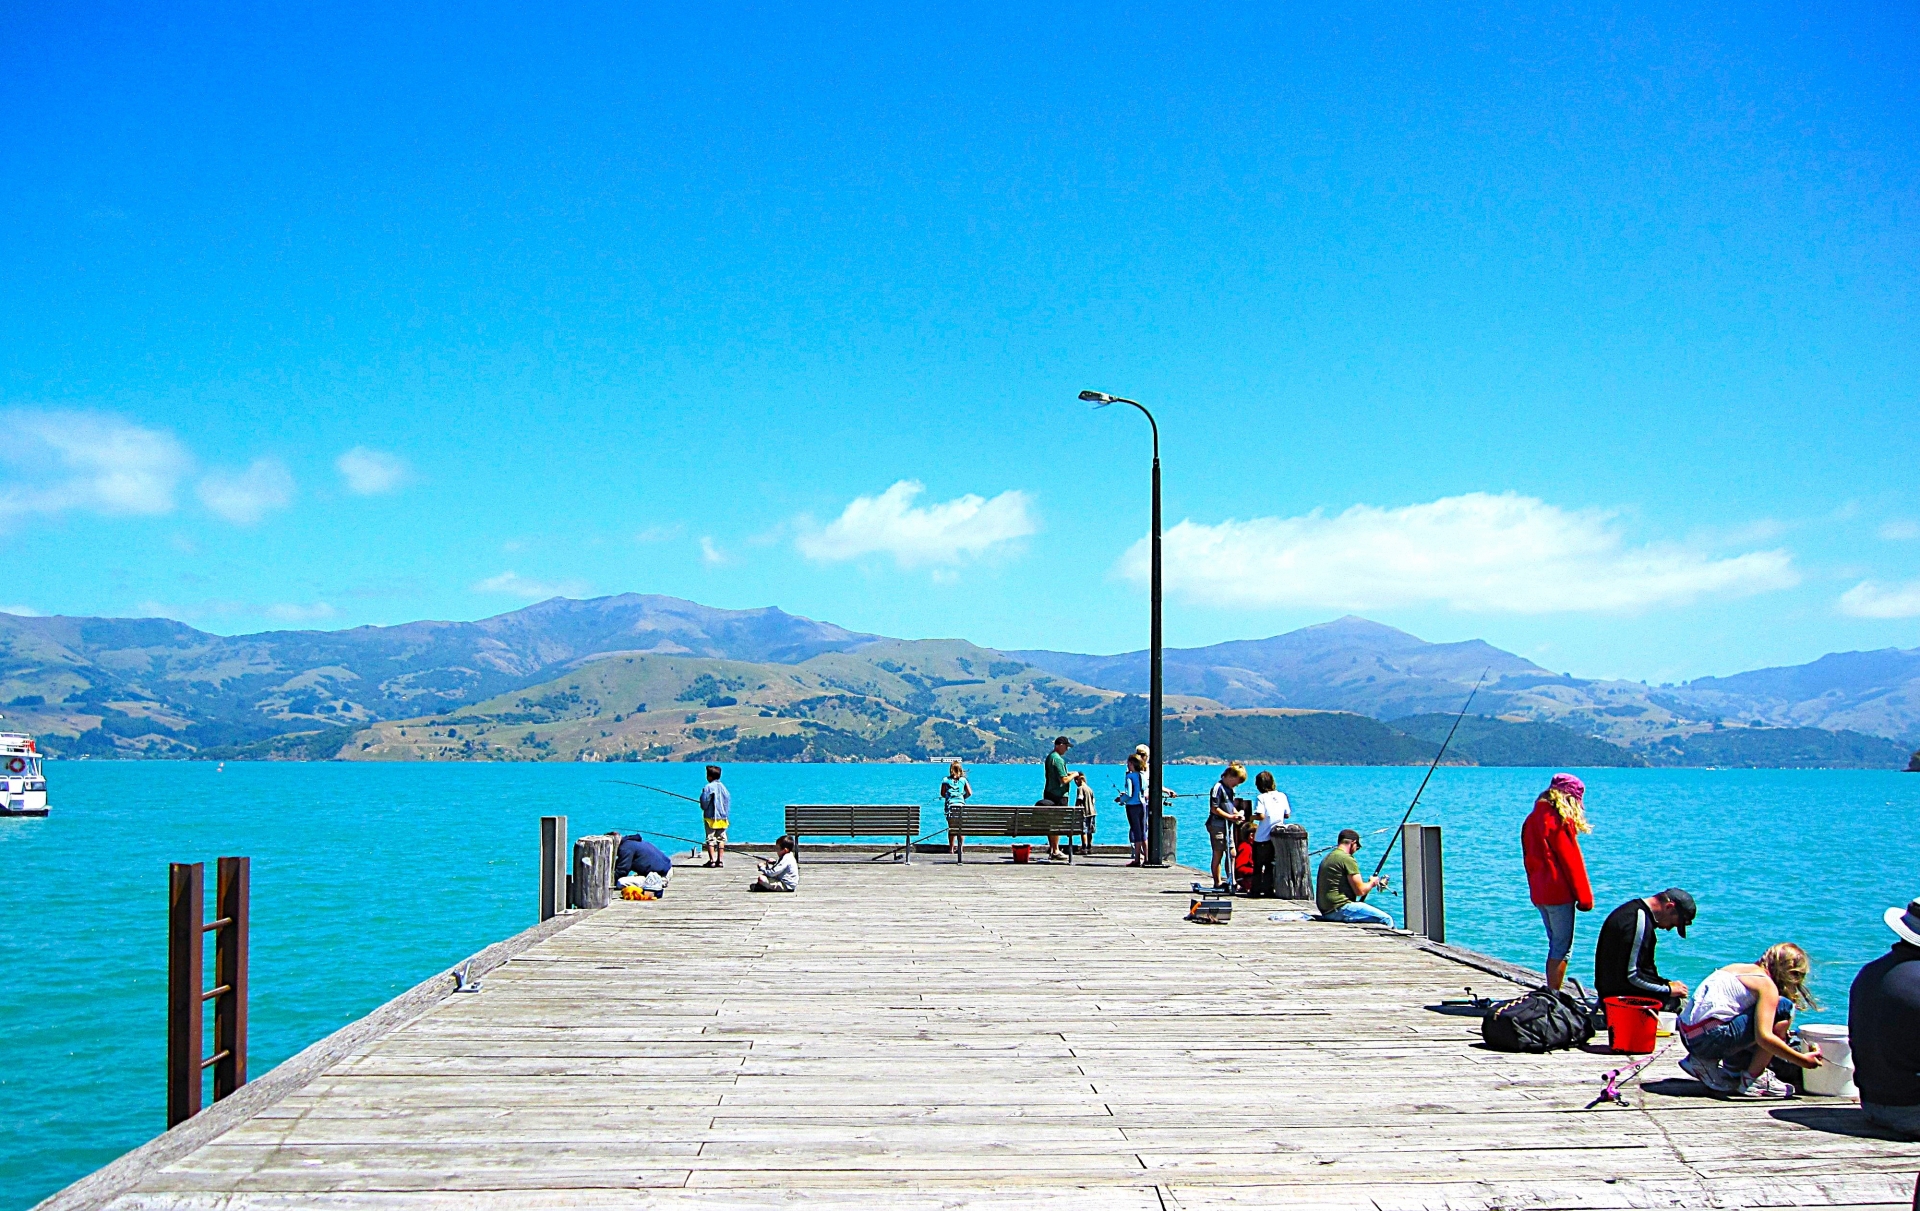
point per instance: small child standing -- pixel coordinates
(955, 790)
(715, 803)
(1243, 861)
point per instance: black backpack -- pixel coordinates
(1540, 1021)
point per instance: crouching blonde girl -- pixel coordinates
(1736, 1023)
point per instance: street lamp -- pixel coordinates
(1155, 831)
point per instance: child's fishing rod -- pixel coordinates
(690, 799)
(1423, 782)
(656, 790)
(675, 794)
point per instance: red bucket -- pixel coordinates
(1632, 1023)
(1022, 852)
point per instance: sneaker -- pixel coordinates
(1710, 1074)
(1766, 1085)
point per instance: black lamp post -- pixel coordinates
(1155, 832)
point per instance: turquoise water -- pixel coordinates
(369, 878)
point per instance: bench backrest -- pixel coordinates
(997, 820)
(853, 819)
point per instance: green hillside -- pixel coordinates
(1270, 738)
(1779, 748)
(1337, 738)
(1483, 740)
(894, 699)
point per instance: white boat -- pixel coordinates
(23, 783)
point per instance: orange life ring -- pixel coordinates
(16, 764)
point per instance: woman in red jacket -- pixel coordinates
(1556, 872)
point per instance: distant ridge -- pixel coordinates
(154, 687)
(1353, 664)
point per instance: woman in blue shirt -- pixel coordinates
(1134, 797)
(954, 791)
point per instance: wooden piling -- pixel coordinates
(593, 871)
(1291, 878)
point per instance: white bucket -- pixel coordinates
(1668, 1024)
(1834, 1076)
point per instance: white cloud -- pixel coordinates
(512, 584)
(1870, 600)
(917, 535)
(290, 611)
(710, 554)
(89, 460)
(1900, 531)
(662, 533)
(244, 497)
(1477, 552)
(371, 472)
(20, 611)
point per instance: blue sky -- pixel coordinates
(1590, 334)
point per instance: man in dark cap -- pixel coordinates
(1883, 1028)
(1623, 961)
(1059, 788)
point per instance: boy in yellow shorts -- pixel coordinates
(715, 802)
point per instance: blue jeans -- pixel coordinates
(1559, 922)
(1137, 823)
(1356, 912)
(1732, 1043)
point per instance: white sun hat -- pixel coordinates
(1906, 922)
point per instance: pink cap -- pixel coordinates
(1568, 785)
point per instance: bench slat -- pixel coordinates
(853, 819)
(1013, 820)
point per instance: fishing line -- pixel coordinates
(669, 836)
(656, 790)
(1436, 764)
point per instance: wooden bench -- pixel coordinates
(998, 820)
(855, 820)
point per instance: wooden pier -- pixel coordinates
(937, 1035)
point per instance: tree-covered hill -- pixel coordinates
(1779, 748)
(1483, 740)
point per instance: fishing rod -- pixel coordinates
(1330, 848)
(656, 790)
(690, 799)
(1423, 782)
(887, 853)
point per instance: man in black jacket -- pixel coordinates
(1883, 1027)
(1623, 961)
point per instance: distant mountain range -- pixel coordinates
(553, 681)
(1356, 665)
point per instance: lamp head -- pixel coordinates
(1096, 397)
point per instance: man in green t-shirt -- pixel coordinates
(1059, 788)
(1340, 891)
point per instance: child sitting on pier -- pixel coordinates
(783, 874)
(1736, 1023)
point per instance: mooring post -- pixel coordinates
(230, 978)
(553, 866)
(186, 914)
(1291, 880)
(593, 871)
(1422, 881)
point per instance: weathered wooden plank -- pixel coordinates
(991, 1035)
